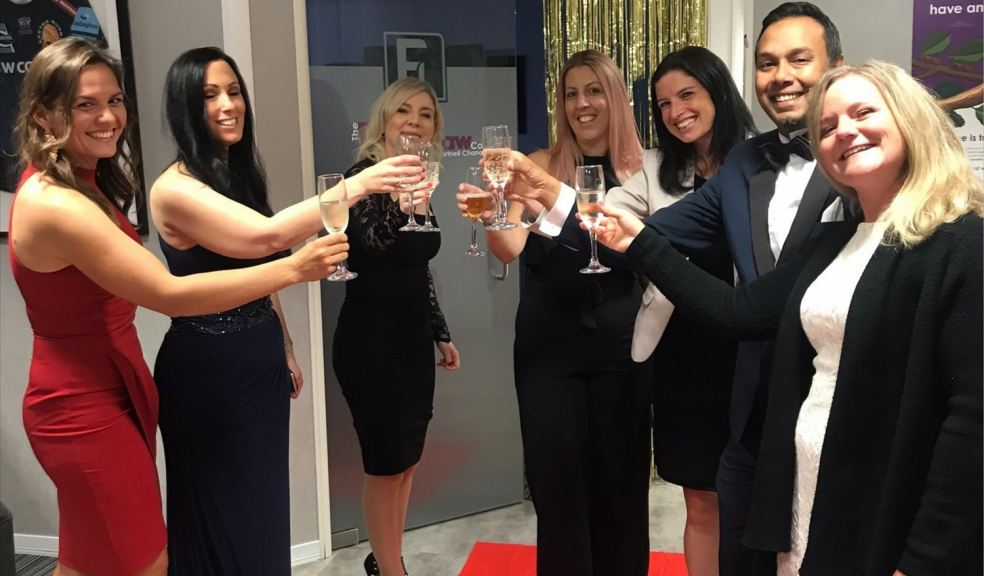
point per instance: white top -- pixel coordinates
(823, 313)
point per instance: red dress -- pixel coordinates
(90, 412)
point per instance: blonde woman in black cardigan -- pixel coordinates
(870, 461)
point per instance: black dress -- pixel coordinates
(383, 351)
(693, 368)
(584, 412)
(224, 418)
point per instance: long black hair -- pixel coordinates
(239, 175)
(732, 119)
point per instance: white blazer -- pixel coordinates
(642, 195)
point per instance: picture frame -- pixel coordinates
(30, 26)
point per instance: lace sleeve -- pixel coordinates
(379, 218)
(439, 326)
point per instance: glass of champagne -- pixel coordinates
(496, 147)
(476, 202)
(334, 215)
(431, 158)
(589, 185)
(409, 144)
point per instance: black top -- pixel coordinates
(392, 265)
(901, 477)
(604, 304)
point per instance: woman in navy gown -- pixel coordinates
(226, 379)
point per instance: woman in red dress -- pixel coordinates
(90, 409)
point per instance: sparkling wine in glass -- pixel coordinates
(496, 148)
(333, 201)
(589, 186)
(430, 156)
(476, 201)
(409, 144)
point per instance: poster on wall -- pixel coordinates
(947, 56)
(27, 26)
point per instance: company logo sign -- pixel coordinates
(6, 40)
(418, 55)
(85, 22)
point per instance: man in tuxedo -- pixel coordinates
(766, 201)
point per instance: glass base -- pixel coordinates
(427, 228)
(595, 268)
(342, 276)
(497, 226)
(474, 251)
(409, 228)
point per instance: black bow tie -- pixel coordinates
(777, 153)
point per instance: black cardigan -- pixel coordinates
(901, 475)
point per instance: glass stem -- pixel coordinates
(474, 237)
(410, 221)
(594, 248)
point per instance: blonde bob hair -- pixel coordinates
(624, 146)
(374, 137)
(938, 184)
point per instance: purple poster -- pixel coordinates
(947, 56)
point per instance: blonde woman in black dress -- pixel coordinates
(389, 325)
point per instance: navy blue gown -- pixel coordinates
(224, 418)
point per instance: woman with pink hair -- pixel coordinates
(584, 407)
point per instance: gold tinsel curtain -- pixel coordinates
(636, 34)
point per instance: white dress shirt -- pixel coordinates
(791, 183)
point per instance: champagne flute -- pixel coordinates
(589, 186)
(476, 203)
(333, 201)
(409, 144)
(496, 148)
(431, 158)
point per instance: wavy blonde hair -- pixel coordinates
(624, 146)
(938, 184)
(374, 137)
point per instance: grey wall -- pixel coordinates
(160, 31)
(879, 29)
(278, 133)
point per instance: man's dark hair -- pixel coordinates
(831, 37)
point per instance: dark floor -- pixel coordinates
(34, 565)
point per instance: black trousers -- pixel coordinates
(586, 445)
(736, 476)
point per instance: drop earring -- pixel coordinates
(53, 153)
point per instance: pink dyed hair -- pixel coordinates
(624, 146)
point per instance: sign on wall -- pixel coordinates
(947, 56)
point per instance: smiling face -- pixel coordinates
(860, 143)
(413, 117)
(686, 108)
(586, 109)
(790, 58)
(225, 108)
(98, 117)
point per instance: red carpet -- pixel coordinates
(491, 559)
